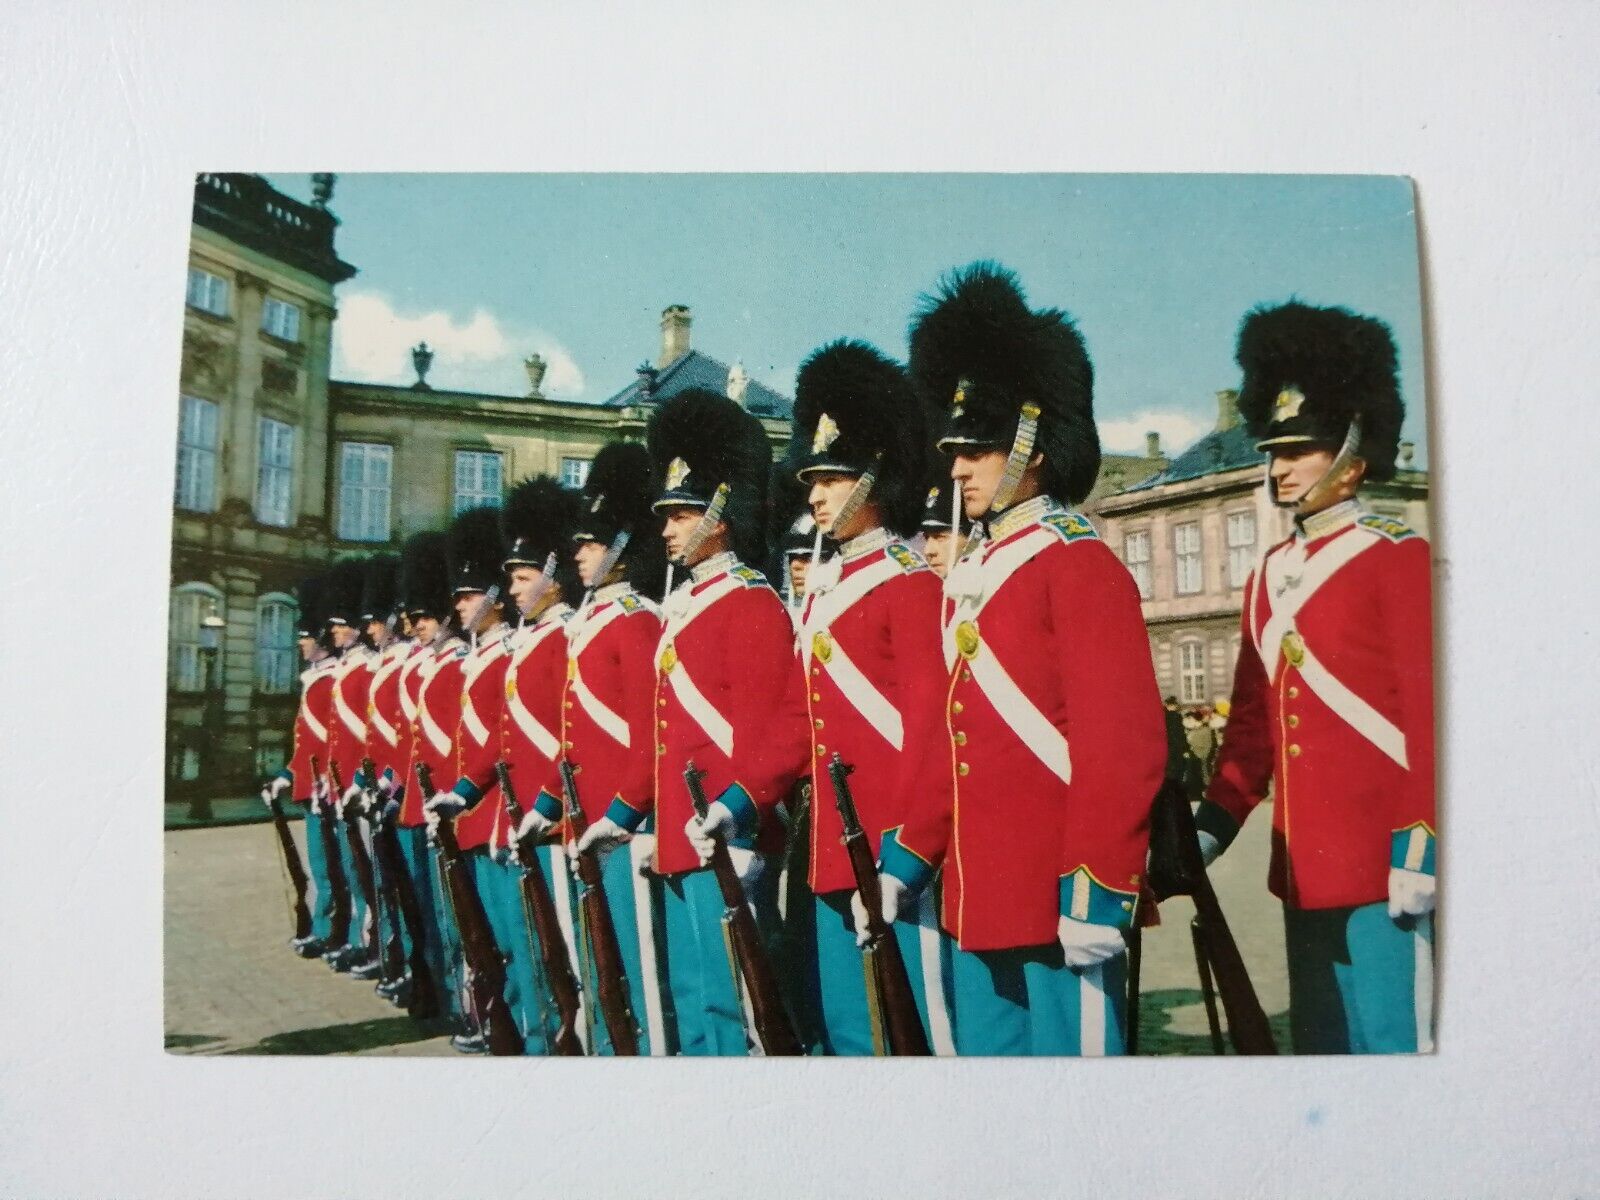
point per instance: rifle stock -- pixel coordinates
(424, 989)
(541, 911)
(772, 1028)
(897, 1003)
(612, 983)
(363, 861)
(297, 873)
(339, 923)
(485, 969)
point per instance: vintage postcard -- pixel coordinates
(848, 615)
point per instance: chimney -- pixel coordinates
(1227, 409)
(1152, 444)
(675, 322)
(536, 367)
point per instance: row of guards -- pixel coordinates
(577, 779)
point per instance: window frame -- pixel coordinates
(281, 474)
(1141, 569)
(190, 454)
(271, 305)
(580, 474)
(185, 669)
(345, 531)
(1199, 675)
(204, 299)
(1241, 555)
(1179, 557)
(275, 675)
(477, 497)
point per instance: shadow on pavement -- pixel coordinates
(1157, 1037)
(188, 1041)
(344, 1039)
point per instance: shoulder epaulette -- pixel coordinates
(1390, 527)
(1070, 525)
(748, 576)
(907, 558)
(630, 603)
(462, 650)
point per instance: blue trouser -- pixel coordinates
(1026, 1001)
(527, 993)
(1359, 982)
(321, 900)
(419, 867)
(700, 975)
(358, 906)
(453, 977)
(625, 892)
(841, 975)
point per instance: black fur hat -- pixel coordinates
(1309, 371)
(476, 551)
(699, 440)
(378, 587)
(308, 594)
(425, 576)
(853, 407)
(789, 518)
(979, 352)
(342, 591)
(537, 521)
(617, 496)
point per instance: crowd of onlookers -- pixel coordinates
(1202, 728)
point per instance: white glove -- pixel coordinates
(646, 843)
(1210, 847)
(719, 820)
(1086, 945)
(441, 807)
(351, 800)
(275, 789)
(604, 835)
(534, 825)
(267, 796)
(749, 865)
(896, 901)
(1410, 893)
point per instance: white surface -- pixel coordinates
(106, 114)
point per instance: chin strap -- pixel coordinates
(702, 530)
(484, 605)
(1016, 466)
(546, 578)
(858, 494)
(1317, 493)
(607, 565)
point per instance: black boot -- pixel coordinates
(308, 947)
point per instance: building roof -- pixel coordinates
(250, 211)
(694, 369)
(1218, 451)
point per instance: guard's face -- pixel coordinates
(470, 605)
(425, 628)
(799, 564)
(588, 556)
(677, 527)
(523, 581)
(1294, 469)
(829, 491)
(343, 635)
(308, 648)
(978, 473)
(378, 631)
(937, 547)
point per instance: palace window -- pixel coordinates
(275, 473)
(480, 479)
(196, 487)
(574, 472)
(191, 604)
(1136, 553)
(1241, 546)
(364, 474)
(275, 644)
(1192, 672)
(281, 319)
(208, 292)
(1186, 542)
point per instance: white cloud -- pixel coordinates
(1178, 431)
(372, 343)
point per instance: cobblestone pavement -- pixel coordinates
(233, 987)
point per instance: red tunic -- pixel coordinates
(347, 731)
(727, 697)
(411, 676)
(438, 714)
(874, 674)
(530, 720)
(605, 701)
(1333, 703)
(483, 697)
(388, 731)
(311, 727)
(1055, 737)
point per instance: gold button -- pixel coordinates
(816, 670)
(663, 724)
(661, 749)
(1294, 721)
(957, 707)
(966, 675)
(962, 768)
(961, 738)
(1294, 693)
(1294, 750)
(821, 749)
(569, 703)
(818, 723)
(566, 745)
(662, 702)
(816, 697)
(578, 769)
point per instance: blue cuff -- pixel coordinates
(467, 791)
(1216, 820)
(1412, 848)
(547, 806)
(624, 815)
(746, 820)
(906, 865)
(359, 780)
(287, 775)
(388, 774)
(1084, 898)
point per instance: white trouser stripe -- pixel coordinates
(561, 884)
(705, 715)
(640, 849)
(1416, 848)
(603, 716)
(1352, 709)
(1092, 1012)
(1422, 982)
(1032, 727)
(939, 1034)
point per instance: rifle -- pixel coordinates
(612, 984)
(541, 913)
(1176, 869)
(358, 853)
(890, 1000)
(339, 926)
(297, 872)
(486, 974)
(746, 955)
(424, 999)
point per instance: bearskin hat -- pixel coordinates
(853, 408)
(379, 585)
(980, 353)
(308, 594)
(536, 522)
(476, 551)
(788, 509)
(425, 576)
(617, 496)
(342, 594)
(1308, 372)
(700, 440)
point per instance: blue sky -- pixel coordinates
(1157, 269)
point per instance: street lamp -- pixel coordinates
(211, 627)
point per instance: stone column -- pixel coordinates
(311, 466)
(238, 463)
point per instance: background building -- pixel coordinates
(1192, 532)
